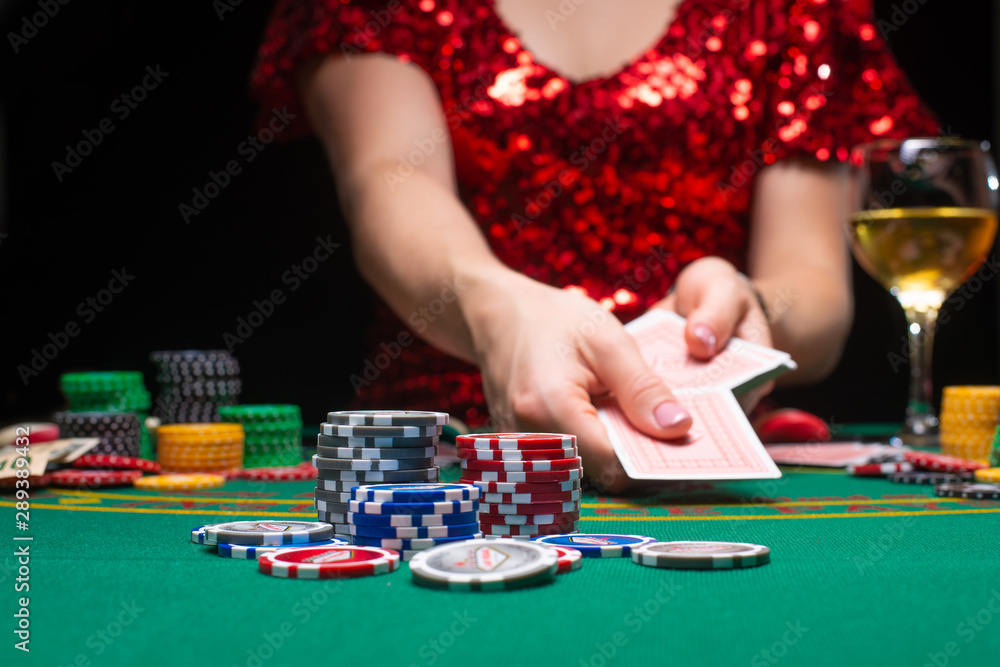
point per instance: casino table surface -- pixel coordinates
(863, 572)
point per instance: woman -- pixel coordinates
(513, 170)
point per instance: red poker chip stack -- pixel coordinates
(942, 463)
(530, 482)
(86, 479)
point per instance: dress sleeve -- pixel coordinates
(299, 30)
(833, 83)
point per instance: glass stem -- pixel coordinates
(920, 419)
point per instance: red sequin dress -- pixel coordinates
(611, 185)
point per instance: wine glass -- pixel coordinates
(925, 224)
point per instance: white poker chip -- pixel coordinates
(701, 555)
(484, 565)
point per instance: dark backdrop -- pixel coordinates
(119, 210)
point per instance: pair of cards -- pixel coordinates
(721, 443)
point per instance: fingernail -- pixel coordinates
(705, 335)
(669, 414)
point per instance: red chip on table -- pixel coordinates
(34, 432)
(327, 562)
(942, 463)
(516, 441)
(523, 466)
(879, 469)
(91, 478)
(34, 482)
(517, 454)
(115, 462)
(532, 508)
(472, 476)
(569, 559)
(528, 519)
(522, 487)
(302, 472)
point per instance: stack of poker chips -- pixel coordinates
(111, 391)
(200, 448)
(410, 518)
(120, 433)
(969, 417)
(995, 449)
(194, 384)
(272, 433)
(530, 482)
(372, 447)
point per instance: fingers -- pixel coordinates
(647, 402)
(721, 305)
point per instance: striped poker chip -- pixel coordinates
(523, 487)
(302, 472)
(267, 532)
(516, 441)
(94, 478)
(531, 498)
(347, 431)
(387, 418)
(414, 532)
(523, 466)
(517, 454)
(528, 519)
(429, 474)
(369, 465)
(969, 490)
(369, 453)
(504, 530)
(569, 559)
(251, 552)
(441, 507)
(335, 486)
(484, 565)
(941, 463)
(331, 508)
(407, 520)
(332, 518)
(701, 555)
(198, 535)
(879, 469)
(415, 544)
(332, 562)
(522, 477)
(115, 462)
(533, 508)
(390, 442)
(416, 493)
(598, 545)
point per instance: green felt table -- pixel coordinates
(863, 572)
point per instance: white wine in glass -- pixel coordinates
(926, 224)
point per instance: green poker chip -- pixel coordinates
(260, 413)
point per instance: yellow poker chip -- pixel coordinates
(199, 430)
(988, 475)
(179, 482)
(977, 390)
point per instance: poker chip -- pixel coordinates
(340, 509)
(377, 443)
(367, 453)
(336, 486)
(331, 518)
(251, 552)
(484, 565)
(348, 431)
(523, 487)
(517, 454)
(120, 433)
(440, 507)
(598, 545)
(94, 478)
(179, 482)
(30, 482)
(415, 544)
(528, 519)
(387, 418)
(302, 472)
(701, 555)
(521, 477)
(195, 384)
(505, 530)
(116, 462)
(569, 559)
(522, 466)
(942, 463)
(530, 508)
(407, 520)
(516, 441)
(267, 532)
(29, 433)
(968, 490)
(925, 477)
(531, 498)
(878, 469)
(414, 532)
(336, 562)
(261, 414)
(368, 465)
(429, 474)
(988, 475)
(198, 535)
(416, 493)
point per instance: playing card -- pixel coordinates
(720, 445)
(829, 454)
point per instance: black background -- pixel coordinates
(120, 209)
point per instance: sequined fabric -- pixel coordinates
(610, 185)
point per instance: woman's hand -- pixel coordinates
(719, 303)
(545, 353)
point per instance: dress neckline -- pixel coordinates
(507, 31)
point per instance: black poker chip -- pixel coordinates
(927, 477)
(969, 490)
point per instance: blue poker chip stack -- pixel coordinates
(410, 518)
